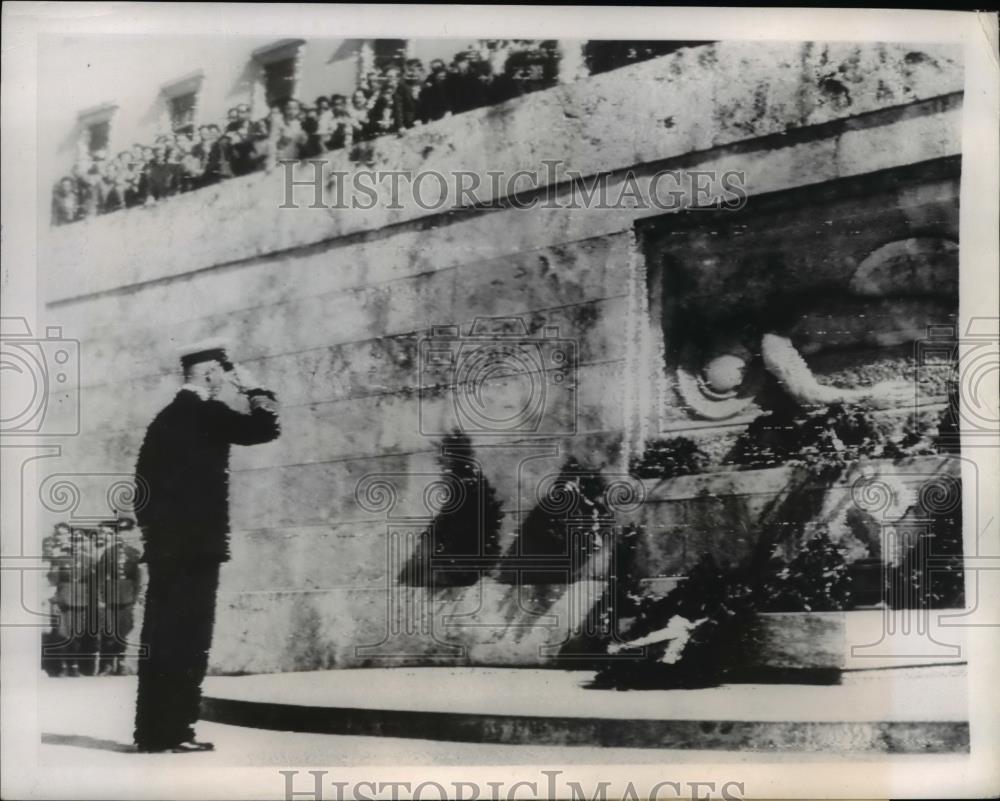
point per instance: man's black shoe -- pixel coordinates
(191, 747)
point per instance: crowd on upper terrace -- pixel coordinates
(387, 101)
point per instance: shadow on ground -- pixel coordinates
(82, 741)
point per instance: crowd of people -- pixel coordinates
(388, 101)
(94, 577)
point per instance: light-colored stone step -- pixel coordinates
(907, 710)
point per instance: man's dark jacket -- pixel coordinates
(118, 574)
(434, 102)
(183, 465)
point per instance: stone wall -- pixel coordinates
(330, 307)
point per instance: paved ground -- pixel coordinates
(88, 721)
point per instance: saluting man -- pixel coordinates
(184, 465)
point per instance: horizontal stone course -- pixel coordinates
(920, 710)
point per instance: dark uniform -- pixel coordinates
(184, 463)
(76, 598)
(434, 101)
(465, 92)
(56, 551)
(117, 589)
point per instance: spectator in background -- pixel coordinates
(99, 174)
(262, 132)
(359, 116)
(200, 148)
(291, 138)
(88, 188)
(131, 179)
(267, 144)
(502, 86)
(464, 89)
(77, 602)
(58, 541)
(325, 125)
(162, 178)
(383, 120)
(190, 170)
(65, 202)
(341, 133)
(386, 112)
(175, 157)
(112, 188)
(240, 133)
(227, 155)
(434, 104)
(409, 93)
(309, 120)
(483, 72)
(55, 550)
(371, 86)
(117, 590)
(215, 165)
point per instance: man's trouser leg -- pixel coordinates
(177, 633)
(82, 648)
(116, 627)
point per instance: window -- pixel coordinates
(278, 77)
(94, 126)
(279, 81)
(179, 108)
(98, 135)
(389, 53)
(182, 111)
